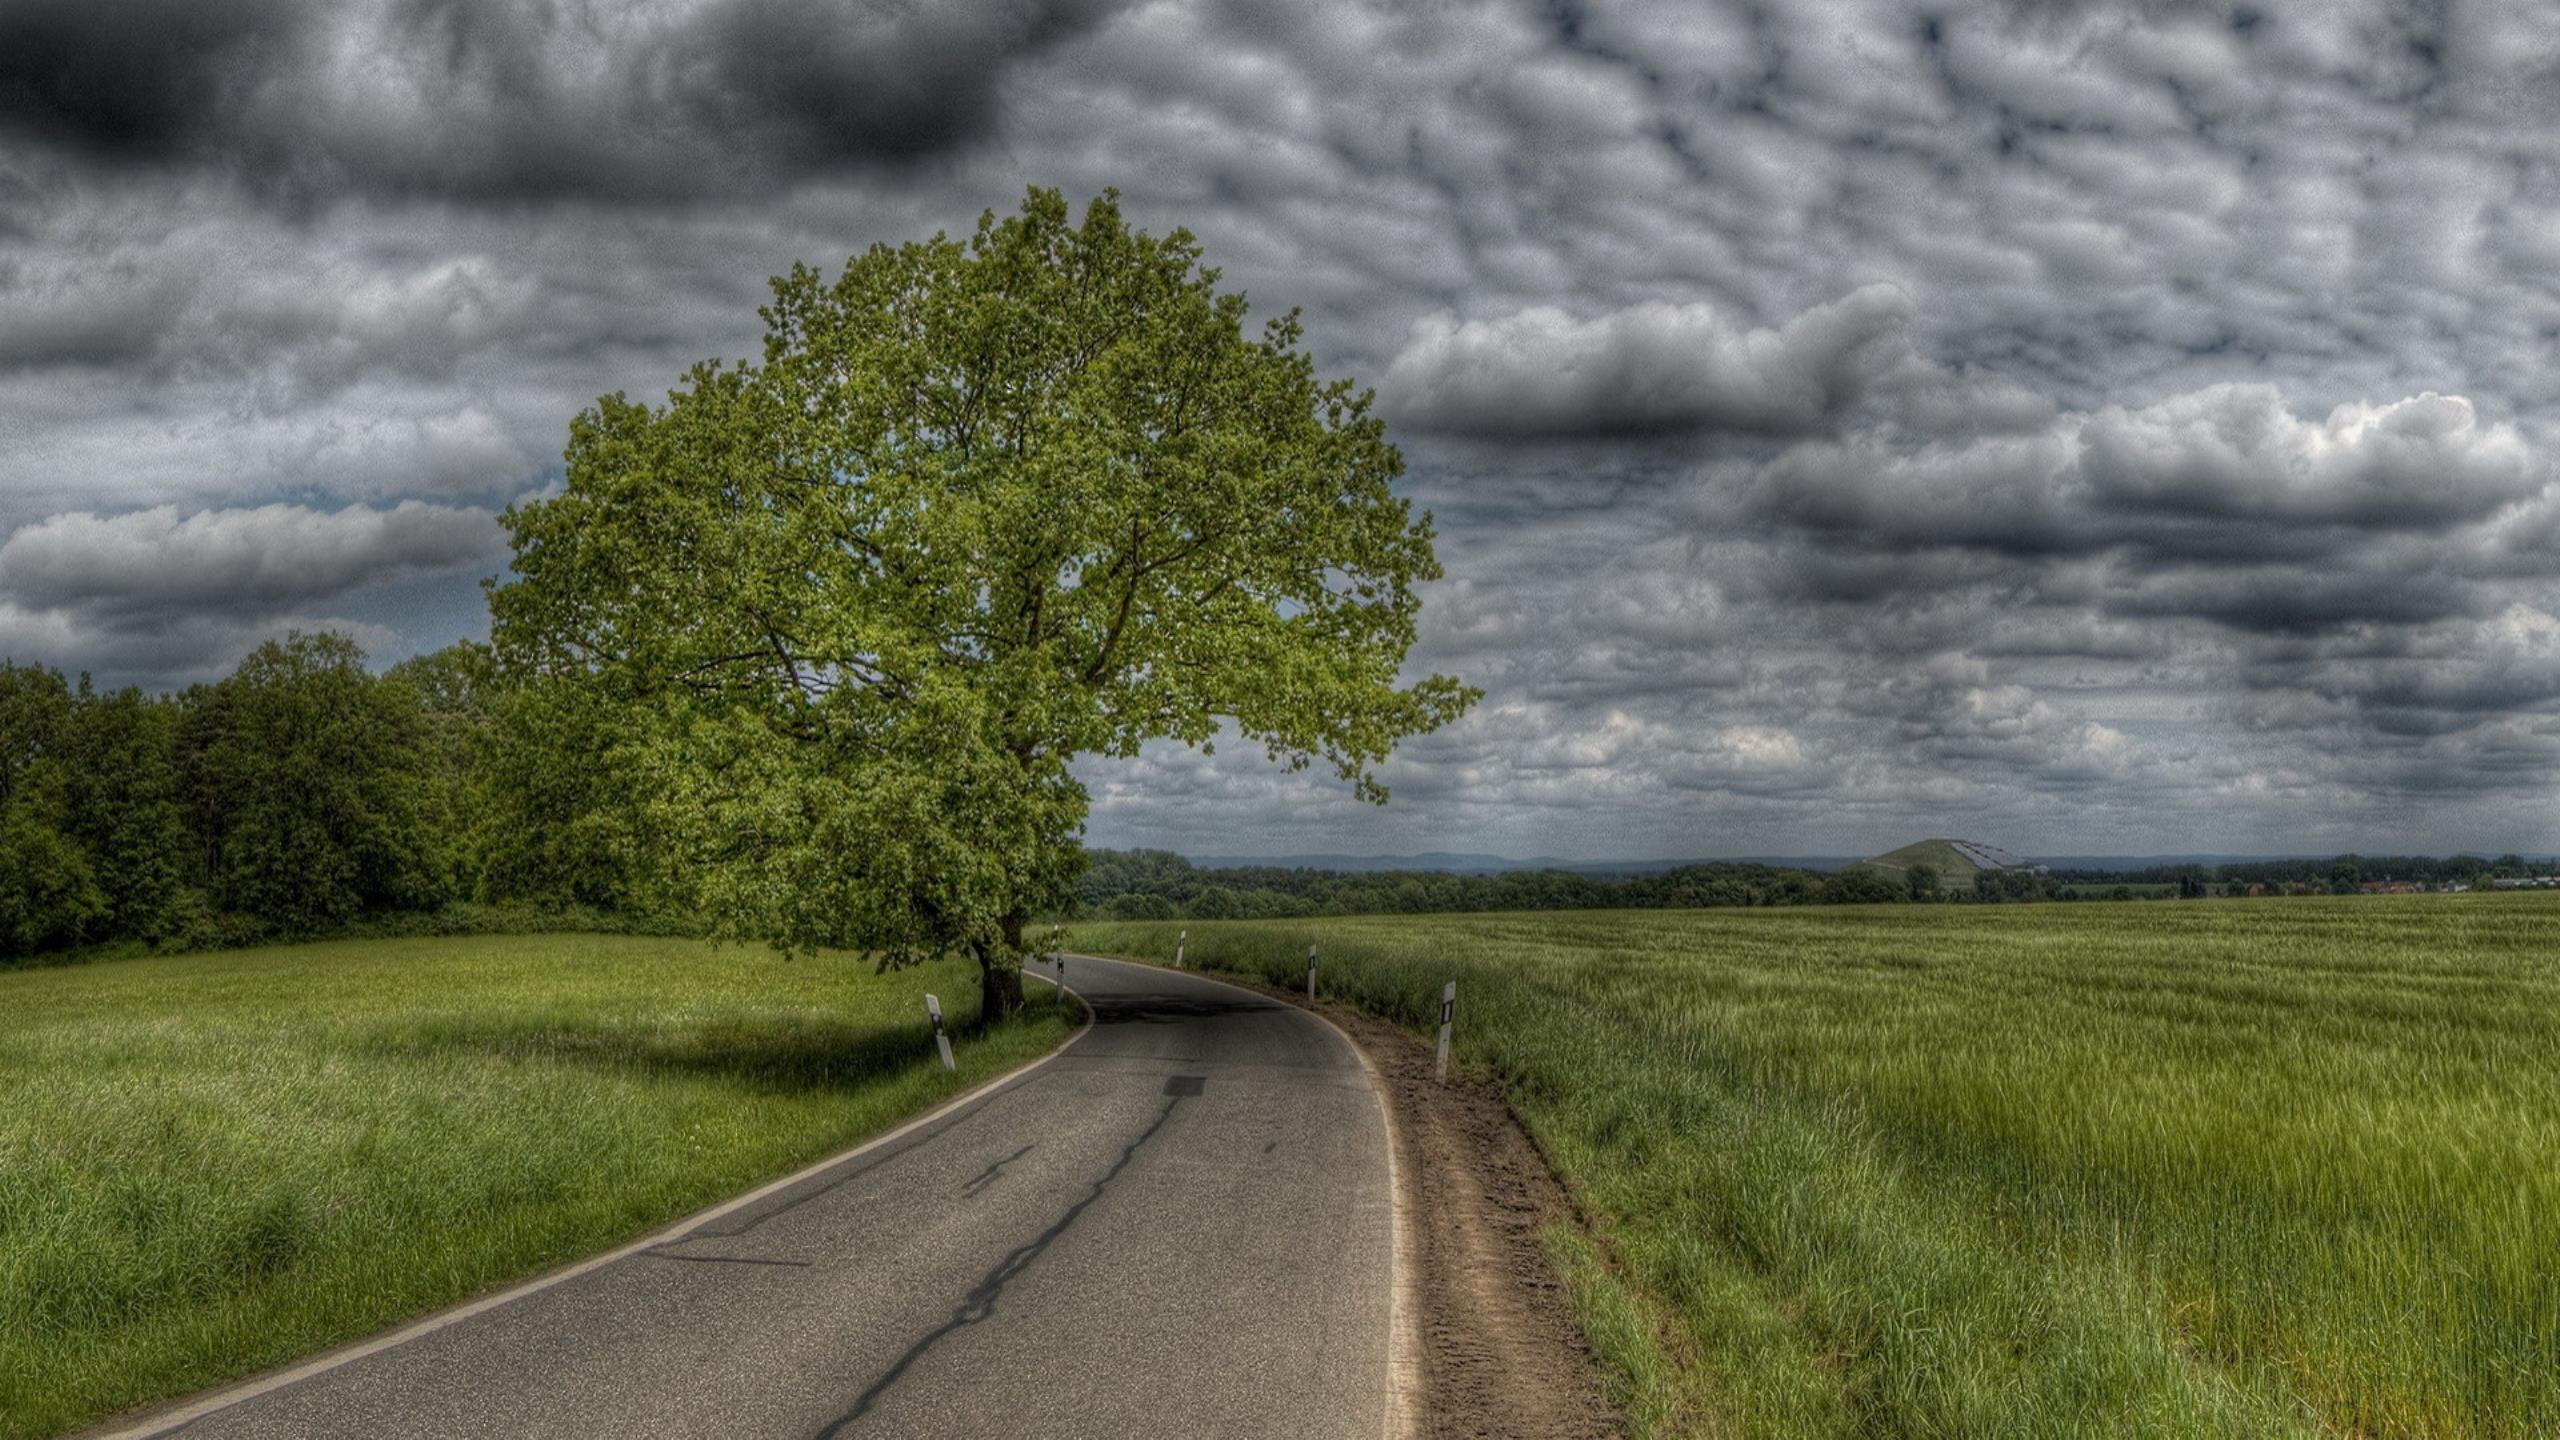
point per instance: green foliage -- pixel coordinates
(49, 891)
(557, 819)
(1858, 885)
(316, 788)
(2000, 885)
(2289, 1167)
(981, 508)
(454, 693)
(35, 710)
(2339, 873)
(49, 895)
(298, 796)
(120, 781)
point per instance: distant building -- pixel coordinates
(1992, 857)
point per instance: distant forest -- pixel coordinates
(302, 795)
(1161, 885)
(2339, 873)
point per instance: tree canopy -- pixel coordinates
(291, 797)
(982, 507)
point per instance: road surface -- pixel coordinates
(1181, 1226)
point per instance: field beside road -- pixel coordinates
(2281, 1167)
(214, 1163)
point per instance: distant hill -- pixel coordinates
(1956, 861)
(1457, 863)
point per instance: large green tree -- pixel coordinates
(983, 507)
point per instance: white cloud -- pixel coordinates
(2237, 452)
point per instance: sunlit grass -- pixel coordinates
(211, 1164)
(2226, 1168)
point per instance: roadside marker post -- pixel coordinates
(1181, 942)
(1448, 1014)
(1311, 972)
(941, 1041)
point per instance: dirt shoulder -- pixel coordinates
(1503, 1357)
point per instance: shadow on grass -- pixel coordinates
(781, 1055)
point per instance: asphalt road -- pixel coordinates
(1181, 1226)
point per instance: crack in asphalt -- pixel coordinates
(981, 1300)
(988, 1176)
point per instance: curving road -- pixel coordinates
(1181, 1225)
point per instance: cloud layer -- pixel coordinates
(2082, 427)
(488, 101)
(156, 591)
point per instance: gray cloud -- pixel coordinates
(2219, 504)
(174, 649)
(152, 594)
(2039, 423)
(1649, 368)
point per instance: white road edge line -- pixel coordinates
(188, 1412)
(1404, 1298)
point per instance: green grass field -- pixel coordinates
(2215, 1168)
(210, 1164)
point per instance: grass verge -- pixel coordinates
(214, 1164)
(2238, 1168)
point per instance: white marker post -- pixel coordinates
(941, 1041)
(1311, 972)
(1448, 1014)
(1181, 942)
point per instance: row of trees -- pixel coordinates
(299, 794)
(1161, 885)
(2339, 873)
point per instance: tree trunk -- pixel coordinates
(1000, 974)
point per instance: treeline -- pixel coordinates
(1160, 885)
(2337, 872)
(302, 794)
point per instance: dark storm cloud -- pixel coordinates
(138, 79)
(493, 100)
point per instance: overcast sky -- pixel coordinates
(2087, 429)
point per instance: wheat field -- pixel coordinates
(2276, 1167)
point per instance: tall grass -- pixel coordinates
(2229, 1168)
(212, 1164)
